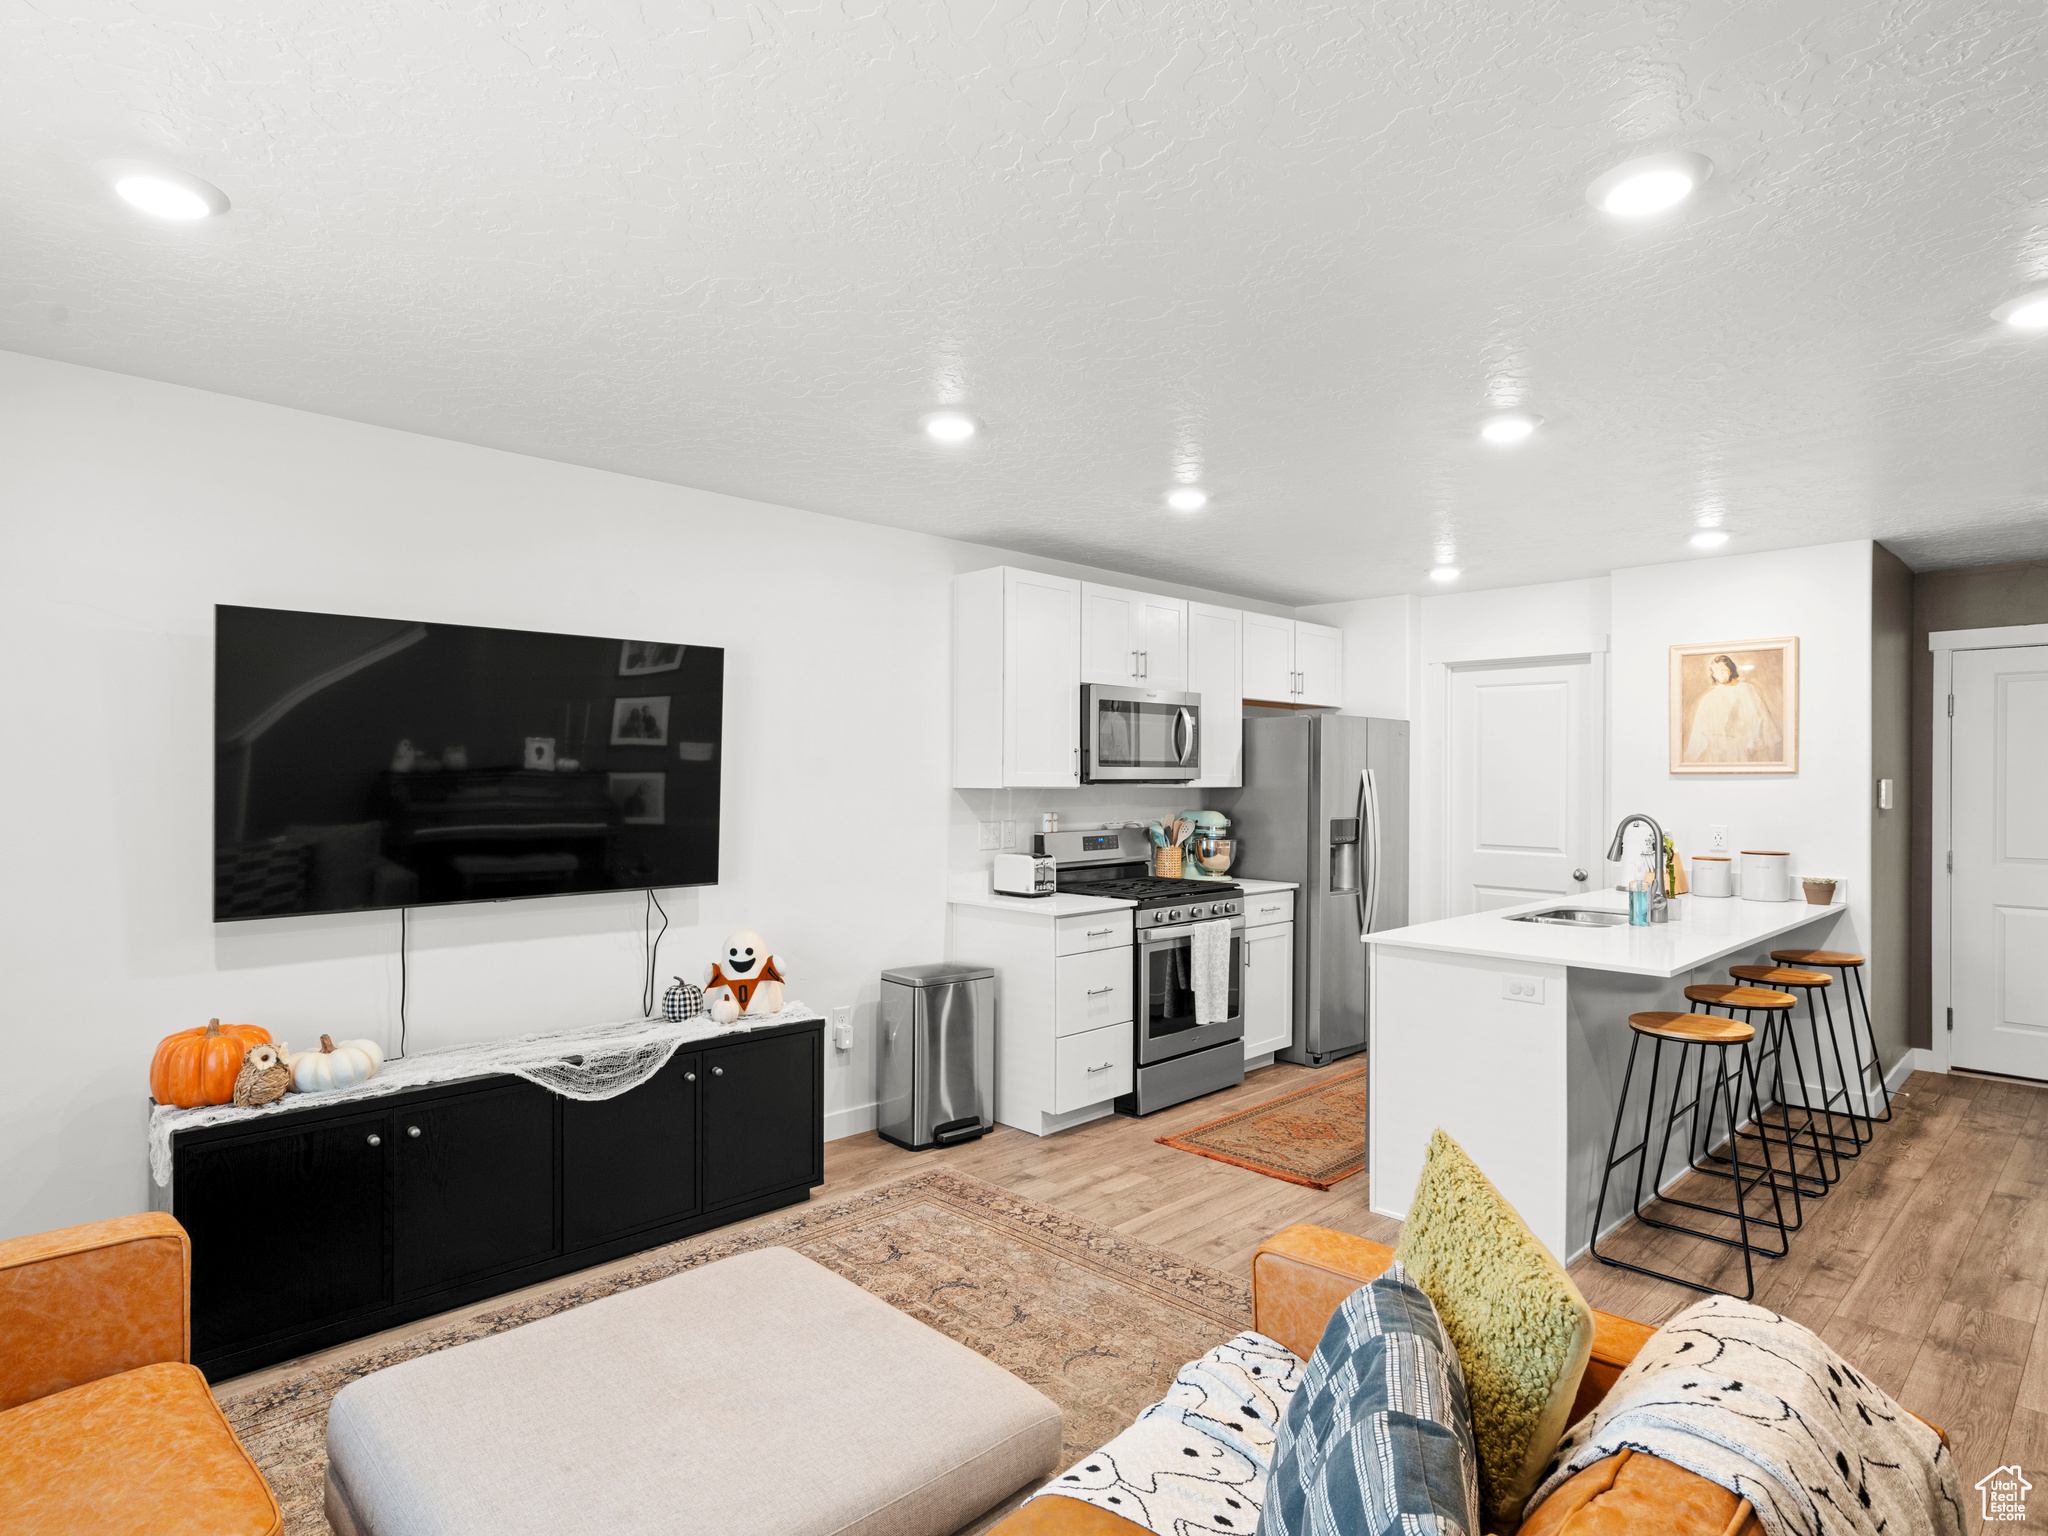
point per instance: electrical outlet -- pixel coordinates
(1522, 989)
(842, 1027)
(1717, 839)
(1009, 835)
(991, 835)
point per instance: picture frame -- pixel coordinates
(641, 798)
(640, 722)
(1735, 706)
(643, 658)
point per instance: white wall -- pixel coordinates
(132, 507)
(1821, 814)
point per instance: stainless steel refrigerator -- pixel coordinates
(1325, 805)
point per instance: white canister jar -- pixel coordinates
(1766, 876)
(1712, 876)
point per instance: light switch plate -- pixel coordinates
(1009, 834)
(1522, 989)
(1717, 839)
(991, 836)
(842, 1027)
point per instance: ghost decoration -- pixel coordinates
(744, 979)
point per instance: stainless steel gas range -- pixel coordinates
(1178, 1058)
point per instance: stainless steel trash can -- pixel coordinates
(936, 1069)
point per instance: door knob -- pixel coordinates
(412, 1130)
(375, 1141)
(1578, 874)
(718, 1071)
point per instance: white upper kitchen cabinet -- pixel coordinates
(1215, 671)
(1290, 662)
(1016, 680)
(1318, 665)
(1268, 659)
(1133, 639)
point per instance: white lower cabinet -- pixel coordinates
(1091, 1067)
(1268, 987)
(1092, 990)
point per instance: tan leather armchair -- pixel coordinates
(104, 1426)
(1298, 1278)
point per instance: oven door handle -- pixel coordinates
(1184, 734)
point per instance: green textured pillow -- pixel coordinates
(1522, 1330)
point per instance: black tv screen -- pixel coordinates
(364, 763)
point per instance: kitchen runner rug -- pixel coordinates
(1097, 1322)
(1315, 1136)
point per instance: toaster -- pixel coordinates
(1023, 874)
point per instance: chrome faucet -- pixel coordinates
(1616, 852)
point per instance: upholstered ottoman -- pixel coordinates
(761, 1394)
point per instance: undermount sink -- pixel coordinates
(1574, 917)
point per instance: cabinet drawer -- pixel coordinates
(1098, 930)
(1272, 907)
(1091, 1067)
(1092, 990)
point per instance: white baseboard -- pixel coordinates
(840, 1123)
(1918, 1059)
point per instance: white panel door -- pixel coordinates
(1215, 671)
(1319, 665)
(1163, 643)
(1041, 679)
(1525, 784)
(1111, 621)
(1999, 825)
(1268, 988)
(1268, 659)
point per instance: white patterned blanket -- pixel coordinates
(1195, 1462)
(1759, 1405)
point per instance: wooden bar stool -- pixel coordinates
(1851, 967)
(1815, 984)
(1774, 1037)
(1688, 1032)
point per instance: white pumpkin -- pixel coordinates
(335, 1066)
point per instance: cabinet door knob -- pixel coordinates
(412, 1130)
(375, 1141)
(689, 1077)
(718, 1071)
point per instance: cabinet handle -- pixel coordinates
(375, 1141)
(1098, 991)
(1096, 933)
(1144, 663)
(1103, 1068)
(718, 1071)
(1134, 663)
(1269, 909)
(689, 1077)
(412, 1130)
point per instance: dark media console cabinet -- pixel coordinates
(326, 1223)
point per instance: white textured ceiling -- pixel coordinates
(1297, 248)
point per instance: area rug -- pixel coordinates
(1315, 1136)
(1097, 1322)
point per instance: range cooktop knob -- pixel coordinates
(1173, 916)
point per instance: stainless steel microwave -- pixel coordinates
(1139, 735)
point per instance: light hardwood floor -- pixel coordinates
(1926, 1266)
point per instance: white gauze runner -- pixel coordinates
(1759, 1405)
(601, 1062)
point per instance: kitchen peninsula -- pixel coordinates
(1513, 1037)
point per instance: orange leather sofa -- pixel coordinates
(104, 1426)
(1299, 1277)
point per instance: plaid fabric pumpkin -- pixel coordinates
(682, 1001)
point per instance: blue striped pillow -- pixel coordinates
(1378, 1438)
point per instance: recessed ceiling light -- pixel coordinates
(1189, 498)
(1711, 538)
(1445, 573)
(950, 426)
(1511, 428)
(1650, 184)
(2028, 312)
(163, 193)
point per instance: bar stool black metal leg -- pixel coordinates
(1788, 1180)
(1859, 1125)
(1870, 1031)
(1789, 1036)
(1843, 1146)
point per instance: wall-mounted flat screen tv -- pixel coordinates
(364, 763)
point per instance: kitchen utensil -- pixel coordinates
(1166, 863)
(1712, 875)
(1766, 876)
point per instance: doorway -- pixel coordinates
(1526, 783)
(1997, 864)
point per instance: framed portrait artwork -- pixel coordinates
(639, 658)
(1735, 706)
(640, 722)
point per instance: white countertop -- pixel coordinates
(1711, 928)
(1267, 887)
(1059, 904)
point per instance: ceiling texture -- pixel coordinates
(1293, 251)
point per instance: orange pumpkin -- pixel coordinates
(199, 1066)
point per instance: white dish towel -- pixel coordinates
(1209, 959)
